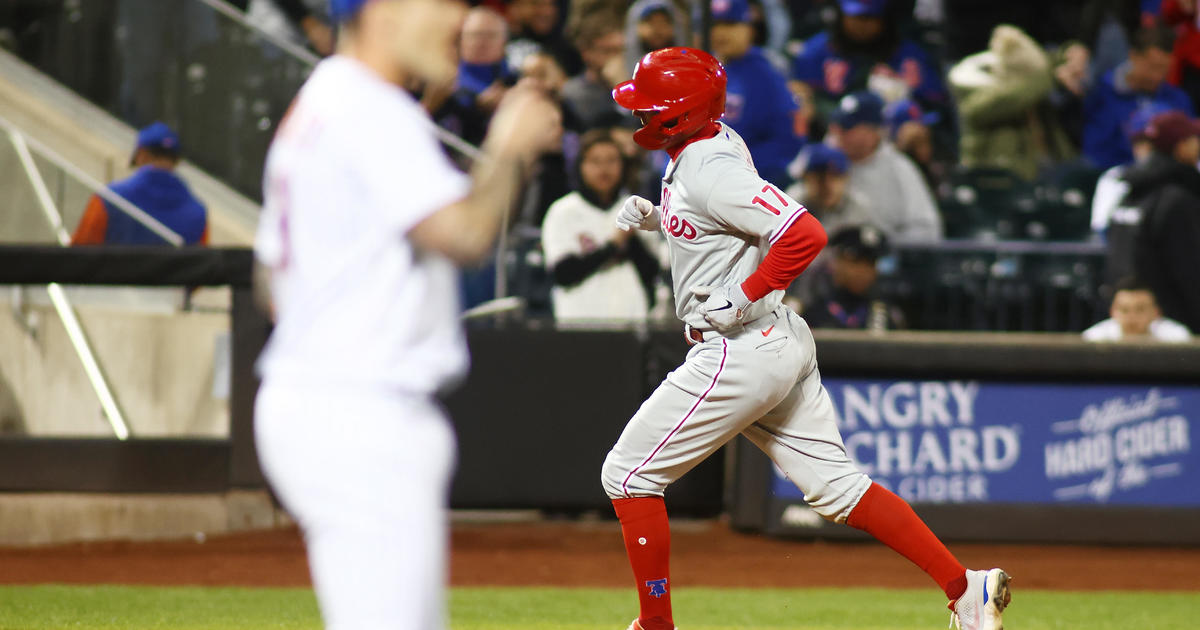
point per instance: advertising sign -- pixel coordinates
(944, 442)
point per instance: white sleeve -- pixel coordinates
(744, 202)
(406, 172)
(1110, 190)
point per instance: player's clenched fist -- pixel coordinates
(723, 307)
(638, 213)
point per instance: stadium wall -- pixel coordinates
(542, 406)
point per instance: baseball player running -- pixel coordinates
(363, 219)
(736, 241)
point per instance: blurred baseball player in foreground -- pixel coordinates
(364, 218)
(736, 242)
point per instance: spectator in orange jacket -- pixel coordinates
(153, 188)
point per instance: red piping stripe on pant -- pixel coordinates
(724, 353)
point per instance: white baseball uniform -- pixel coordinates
(720, 218)
(348, 432)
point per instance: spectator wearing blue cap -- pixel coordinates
(1003, 101)
(758, 104)
(897, 196)
(1140, 80)
(153, 188)
(864, 49)
(823, 174)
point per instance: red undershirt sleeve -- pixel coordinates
(788, 257)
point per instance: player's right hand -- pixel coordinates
(638, 213)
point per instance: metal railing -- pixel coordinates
(25, 147)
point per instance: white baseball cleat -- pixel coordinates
(980, 606)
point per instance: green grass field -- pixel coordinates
(137, 608)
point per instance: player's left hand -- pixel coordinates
(723, 307)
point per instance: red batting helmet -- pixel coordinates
(685, 86)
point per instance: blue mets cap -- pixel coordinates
(862, 107)
(907, 110)
(342, 10)
(158, 136)
(864, 8)
(820, 158)
(730, 11)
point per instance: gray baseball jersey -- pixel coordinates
(760, 380)
(720, 218)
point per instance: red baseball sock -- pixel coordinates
(893, 522)
(648, 543)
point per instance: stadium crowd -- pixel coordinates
(892, 115)
(895, 121)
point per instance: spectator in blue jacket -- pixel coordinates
(758, 104)
(863, 49)
(482, 65)
(156, 190)
(1141, 81)
(483, 77)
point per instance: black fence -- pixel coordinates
(1010, 286)
(999, 286)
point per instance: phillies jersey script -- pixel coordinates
(720, 218)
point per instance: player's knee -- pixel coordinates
(835, 500)
(620, 481)
(612, 476)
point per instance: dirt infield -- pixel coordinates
(591, 554)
